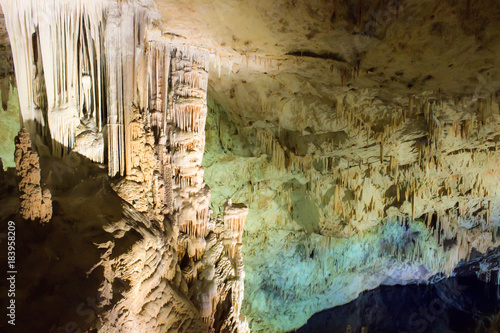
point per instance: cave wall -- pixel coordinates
(349, 196)
(370, 133)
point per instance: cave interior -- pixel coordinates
(250, 166)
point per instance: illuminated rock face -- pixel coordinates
(363, 137)
(98, 79)
(56, 78)
(389, 196)
(148, 279)
(220, 289)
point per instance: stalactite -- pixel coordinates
(394, 166)
(271, 147)
(234, 217)
(70, 87)
(381, 152)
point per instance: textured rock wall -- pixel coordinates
(361, 135)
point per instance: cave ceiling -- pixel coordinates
(393, 47)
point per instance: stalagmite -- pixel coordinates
(36, 202)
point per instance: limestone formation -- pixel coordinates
(333, 146)
(36, 202)
(152, 297)
(101, 70)
(348, 204)
(221, 273)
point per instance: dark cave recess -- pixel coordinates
(465, 303)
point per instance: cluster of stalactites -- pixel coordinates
(214, 270)
(173, 147)
(58, 55)
(128, 66)
(234, 220)
(197, 227)
(270, 146)
(186, 113)
(439, 178)
(234, 217)
(68, 53)
(190, 116)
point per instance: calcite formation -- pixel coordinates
(363, 193)
(390, 195)
(99, 79)
(36, 203)
(149, 270)
(359, 136)
(220, 288)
